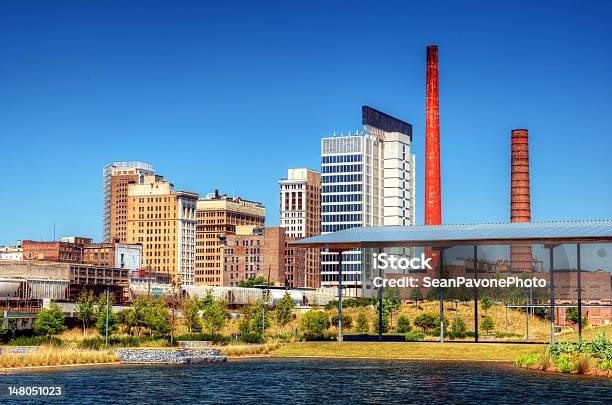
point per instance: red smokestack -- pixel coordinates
(433, 198)
(520, 201)
(520, 204)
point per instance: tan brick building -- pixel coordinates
(254, 252)
(164, 222)
(300, 212)
(218, 216)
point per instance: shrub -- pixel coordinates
(347, 320)
(98, 343)
(564, 363)
(35, 341)
(385, 323)
(362, 323)
(313, 323)
(403, 324)
(487, 324)
(601, 346)
(582, 363)
(426, 321)
(251, 337)
(349, 303)
(415, 337)
(544, 360)
(527, 360)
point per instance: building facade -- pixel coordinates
(163, 221)
(217, 217)
(117, 177)
(300, 216)
(367, 180)
(253, 252)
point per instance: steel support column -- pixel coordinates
(340, 296)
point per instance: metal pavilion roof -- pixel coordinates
(440, 235)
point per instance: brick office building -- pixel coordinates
(254, 252)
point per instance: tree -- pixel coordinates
(416, 296)
(427, 321)
(50, 321)
(362, 325)
(191, 312)
(486, 303)
(403, 324)
(487, 324)
(385, 323)
(313, 323)
(113, 320)
(215, 316)
(256, 316)
(251, 282)
(284, 310)
(86, 308)
(136, 318)
(158, 318)
(458, 327)
(571, 314)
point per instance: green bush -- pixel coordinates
(35, 341)
(122, 341)
(385, 323)
(527, 360)
(50, 321)
(347, 320)
(487, 324)
(403, 324)
(564, 363)
(427, 321)
(349, 303)
(415, 337)
(362, 323)
(313, 323)
(251, 337)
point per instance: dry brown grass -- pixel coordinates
(248, 349)
(420, 350)
(77, 335)
(48, 356)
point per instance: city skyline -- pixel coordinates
(79, 114)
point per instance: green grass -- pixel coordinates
(416, 351)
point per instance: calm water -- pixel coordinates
(272, 381)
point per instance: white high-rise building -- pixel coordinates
(367, 179)
(115, 195)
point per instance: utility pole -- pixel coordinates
(106, 331)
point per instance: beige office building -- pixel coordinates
(164, 222)
(218, 216)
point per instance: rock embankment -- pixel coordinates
(18, 349)
(170, 356)
(193, 343)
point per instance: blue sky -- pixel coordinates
(229, 95)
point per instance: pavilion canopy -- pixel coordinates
(445, 235)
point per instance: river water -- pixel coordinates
(315, 381)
